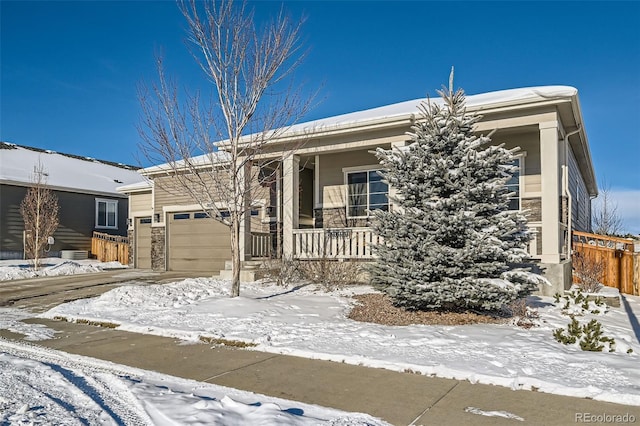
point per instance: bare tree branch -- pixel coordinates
(215, 148)
(39, 210)
(606, 219)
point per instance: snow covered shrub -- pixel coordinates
(576, 303)
(451, 243)
(588, 336)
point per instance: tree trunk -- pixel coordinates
(235, 254)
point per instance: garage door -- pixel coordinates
(197, 243)
(143, 243)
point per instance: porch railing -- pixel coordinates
(334, 243)
(355, 243)
(261, 244)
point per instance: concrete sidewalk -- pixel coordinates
(399, 398)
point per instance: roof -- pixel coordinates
(65, 172)
(407, 108)
(403, 112)
(145, 185)
(216, 157)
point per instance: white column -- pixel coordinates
(290, 202)
(551, 191)
(245, 225)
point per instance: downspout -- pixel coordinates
(565, 189)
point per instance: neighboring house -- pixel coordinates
(331, 184)
(86, 191)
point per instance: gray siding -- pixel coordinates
(77, 220)
(580, 200)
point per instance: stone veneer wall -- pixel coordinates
(158, 248)
(336, 218)
(533, 209)
(130, 235)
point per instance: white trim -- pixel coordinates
(140, 213)
(521, 164)
(316, 184)
(366, 168)
(359, 169)
(107, 202)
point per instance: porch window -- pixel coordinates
(365, 192)
(106, 213)
(513, 185)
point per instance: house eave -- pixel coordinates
(64, 189)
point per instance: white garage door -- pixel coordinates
(197, 243)
(143, 243)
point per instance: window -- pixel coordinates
(366, 191)
(106, 213)
(181, 216)
(513, 185)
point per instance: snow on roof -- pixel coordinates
(482, 101)
(64, 171)
(138, 186)
(406, 108)
(200, 160)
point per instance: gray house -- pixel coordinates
(86, 191)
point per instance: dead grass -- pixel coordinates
(379, 309)
(103, 324)
(226, 342)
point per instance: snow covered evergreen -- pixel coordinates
(450, 244)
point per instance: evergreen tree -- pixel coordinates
(450, 244)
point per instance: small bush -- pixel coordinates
(576, 303)
(331, 273)
(589, 336)
(283, 271)
(524, 315)
(589, 271)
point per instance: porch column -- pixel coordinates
(290, 201)
(551, 191)
(245, 224)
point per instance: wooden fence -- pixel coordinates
(110, 248)
(621, 265)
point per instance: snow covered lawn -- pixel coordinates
(308, 322)
(42, 386)
(53, 266)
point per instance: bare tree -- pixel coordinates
(589, 268)
(216, 147)
(606, 219)
(40, 213)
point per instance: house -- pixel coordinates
(330, 184)
(86, 191)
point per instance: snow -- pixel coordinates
(403, 110)
(305, 321)
(64, 172)
(52, 266)
(43, 386)
(504, 414)
(406, 108)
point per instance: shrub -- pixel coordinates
(589, 336)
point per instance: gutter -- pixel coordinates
(565, 187)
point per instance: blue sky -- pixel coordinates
(69, 70)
